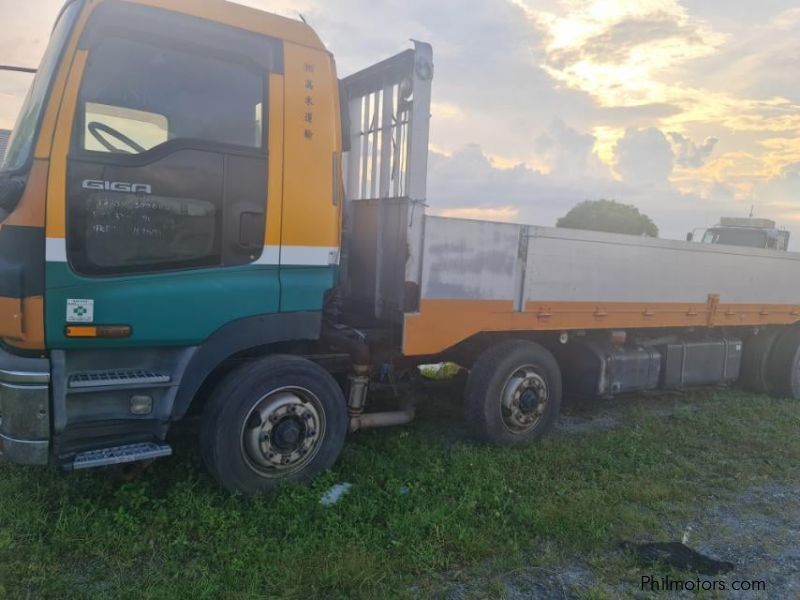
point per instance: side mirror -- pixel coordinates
(690, 237)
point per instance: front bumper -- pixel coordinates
(24, 409)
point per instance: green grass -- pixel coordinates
(470, 509)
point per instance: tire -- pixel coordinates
(276, 420)
(784, 365)
(754, 375)
(498, 405)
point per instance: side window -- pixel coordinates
(165, 210)
(136, 96)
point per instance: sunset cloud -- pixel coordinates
(619, 50)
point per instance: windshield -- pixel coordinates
(751, 238)
(20, 146)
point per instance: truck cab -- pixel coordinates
(173, 176)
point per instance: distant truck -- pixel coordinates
(199, 218)
(747, 232)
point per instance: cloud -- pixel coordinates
(468, 183)
(618, 51)
(468, 178)
(645, 157)
(638, 113)
(448, 111)
(779, 196)
(569, 153)
(722, 193)
(690, 154)
(762, 59)
(621, 40)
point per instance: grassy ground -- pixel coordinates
(468, 509)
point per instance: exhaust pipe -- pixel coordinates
(359, 387)
(357, 401)
(383, 419)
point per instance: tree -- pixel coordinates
(609, 216)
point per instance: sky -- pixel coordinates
(688, 109)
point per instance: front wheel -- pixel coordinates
(279, 419)
(513, 394)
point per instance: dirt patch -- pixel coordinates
(582, 416)
(545, 584)
(760, 533)
(578, 424)
(758, 530)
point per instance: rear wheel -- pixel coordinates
(275, 420)
(513, 394)
(784, 365)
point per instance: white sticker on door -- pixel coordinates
(80, 311)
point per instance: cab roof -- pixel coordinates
(243, 17)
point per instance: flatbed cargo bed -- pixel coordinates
(480, 276)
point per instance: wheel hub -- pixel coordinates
(288, 433)
(283, 432)
(524, 401)
(529, 402)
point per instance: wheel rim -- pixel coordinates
(524, 400)
(283, 432)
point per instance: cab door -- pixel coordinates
(165, 184)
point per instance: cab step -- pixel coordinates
(117, 377)
(120, 455)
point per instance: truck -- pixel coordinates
(201, 220)
(749, 232)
